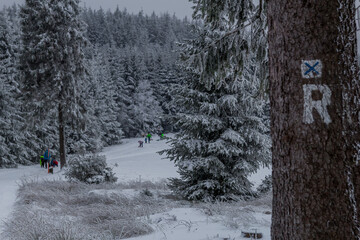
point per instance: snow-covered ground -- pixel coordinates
(194, 224)
(132, 163)
(9, 180)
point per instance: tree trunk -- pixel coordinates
(347, 47)
(313, 73)
(61, 137)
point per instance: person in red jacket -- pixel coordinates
(54, 163)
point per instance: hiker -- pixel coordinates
(54, 163)
(145, 140)
(149, 137)
(141, 143)
(47, 157)
(42, 163)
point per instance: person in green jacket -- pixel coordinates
(42, 163)
(149, 137)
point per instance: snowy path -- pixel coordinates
(134, 162)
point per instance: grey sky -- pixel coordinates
(181, 8)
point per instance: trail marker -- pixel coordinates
(319, 105)
(311, 68)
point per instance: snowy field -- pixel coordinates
(178, 222)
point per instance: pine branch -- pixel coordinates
(253, 19)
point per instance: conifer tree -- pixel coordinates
(122, 89)
(146, 109)
(7, 133)
(52, 62)
(222, 136)
(105, 85)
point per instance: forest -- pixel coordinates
(130, 66)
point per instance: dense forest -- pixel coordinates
(130, 64)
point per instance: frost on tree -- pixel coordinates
(52, 62)
(7, 157)
(14, 147)
(223, 136)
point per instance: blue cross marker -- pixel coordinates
(311, 68)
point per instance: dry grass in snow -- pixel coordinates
(60, 210)
(71, 211)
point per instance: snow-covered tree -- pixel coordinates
(139, 104)
(90, 139)
(105, 85)
(146, 109)
(163, 74)
(14, 146)
(120, 85)
(222, 138)
(7, 133)
(52, 62)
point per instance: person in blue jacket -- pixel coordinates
(47, 157)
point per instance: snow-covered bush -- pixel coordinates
(265, 186)
(89, 169)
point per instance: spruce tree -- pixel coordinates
(15, 148)
(7, 157)
(107, 110)
(120, 80)
(146, 109)
(52, 62)
(222, 138)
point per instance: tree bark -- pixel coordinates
(61, 137)
(347, 47)
(312, 120)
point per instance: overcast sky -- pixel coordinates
(181, 8)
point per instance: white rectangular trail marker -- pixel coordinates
(319, 105)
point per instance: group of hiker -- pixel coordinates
(47, 161)
(148, 139)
